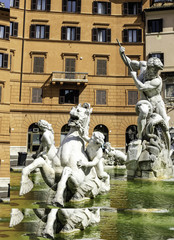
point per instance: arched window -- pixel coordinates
(103, 129)
(131, 134)
(64, 131)
(34, 136)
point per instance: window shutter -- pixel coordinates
(101, 67)
(64, 33)
(33, 4)
(149, 24)
(7, 32)
(16, 4)
(160, 25)
(15, 29)
(78, 8)
(139, 8)
(62, 99)
(78, 33)
(108, 35)
(48, 5)
(64, 5)
(94, 34)
(38, 65)
(95, 8)
(5, 60)
(108, 8)
(33, 31)
(139, 35)
(36, 95)
(47, 32)
(125, 35)
(132, 97)
(125, 8)
(101, 97)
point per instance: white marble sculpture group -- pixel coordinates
(75, 170)
(79, 170)
(149, 156)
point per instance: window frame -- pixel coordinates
(64, 33)
(34, 5)
(6, 32)
(63, 96)
(15, 3)
(33, 31)
(161, 58)
(13, 29)
(95, 97)
(149, 26)
(65, 6)
(126, 8)
(127, 97)
(31, 95)
(5, 62)
(125, 35)
(168, 83)
(107, 8)
(95, 35)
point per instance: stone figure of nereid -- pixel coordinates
(74, 182)
(149, 156)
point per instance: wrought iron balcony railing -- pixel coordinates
(69, 77)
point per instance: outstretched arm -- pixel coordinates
(127, 61)
(148, 85)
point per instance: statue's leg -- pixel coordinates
(27, 184)
(143, 113)
(49, 229)
(58, 200)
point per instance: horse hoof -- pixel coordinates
(26, 187)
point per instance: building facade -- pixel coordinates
(4, 94)
(64, 53)
(159, 33)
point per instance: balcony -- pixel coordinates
(69, 77)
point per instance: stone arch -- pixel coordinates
(128, 121)
(130, 134)
(103, 129)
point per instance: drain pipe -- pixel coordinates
(22, 53)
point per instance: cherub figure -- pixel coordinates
(95, 154)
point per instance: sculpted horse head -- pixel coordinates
(80, 117)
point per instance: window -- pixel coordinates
(132, 8)
(103, 129)
(155, 25)
(3, 60)
(158, 55)
(36, 95)
(39, 31)
(4, 32)
(132, 97)
(42, 5)
(73, 6)
(101, 8)
(101, 67)
(69, 68)
(71, 33)
(38, 66)
(169, 90)
(132, 35)
(100, 97)
(14, 3)
(69, 96)
(14, 29)
(101, 35)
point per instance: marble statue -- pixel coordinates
(62, 168)
(56, 220)
(149, 156)
(113, 156)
